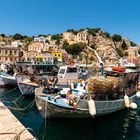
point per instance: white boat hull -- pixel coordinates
(2, 84)
(9, 80)
(48, 110)
(27, 89)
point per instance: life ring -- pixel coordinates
(25, 72)
(71, 62)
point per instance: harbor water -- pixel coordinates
(122, 125)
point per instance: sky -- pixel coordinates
(33, 17)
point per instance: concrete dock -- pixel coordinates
(10, 127)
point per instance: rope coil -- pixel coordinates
(18, 135)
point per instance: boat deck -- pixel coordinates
(10, 127)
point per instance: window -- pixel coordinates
(62, 71)
(10, 52)
(6, 52)
(71, 70)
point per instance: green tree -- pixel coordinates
(132, 43)
(139, 51)
(3, 35)
(70, 30)
(116, 38)
(120, 52)
(41, 35)
(47, 41)
(91, 32)
(65, 44)
(73, 31)
(107, 34)
(125, 53)
(17, 36)
(55, 37)
(74, 49)
(97, 29)
(29, 39)
(124, 45)
(93, 46)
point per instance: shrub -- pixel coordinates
(107, 34)
(120, 52)
(91, 32)
(116, 38)
(74, 49)
(132, 43)
(124, 45)
(139, 51)
(3, 35)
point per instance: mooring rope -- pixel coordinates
(8, 102)
(12, 89)
(25, 108)
(18, 135)
(17, 106)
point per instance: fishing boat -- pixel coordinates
(9, 80)
(26, 86)
(33, 77)
(1, 82)
(103, 95)
(65, 76)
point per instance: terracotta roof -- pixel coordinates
(9, 48)
(36, 44)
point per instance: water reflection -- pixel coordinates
(131, 125)
(122, 125)
(104, 128)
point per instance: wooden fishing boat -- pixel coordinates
(26, 87)
(102, 101)
(1, 82)
(9, 80)
(65, 76)
(32, 78)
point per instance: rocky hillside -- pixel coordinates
(110, 48)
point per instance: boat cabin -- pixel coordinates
(38, 68)
(67, 74)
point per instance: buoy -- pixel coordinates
(72, 86)
(133, 105)
(126, 101)
(138, 94)
(92, 108)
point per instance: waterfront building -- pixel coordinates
(69, 37)
(2, 43)
(57, 55)
(40, 39)
(133, 54)
(9, 54)
(34, 49)
(50, 47)
(82, 37)
(46, 58)
(79, 37)
(16, 43)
